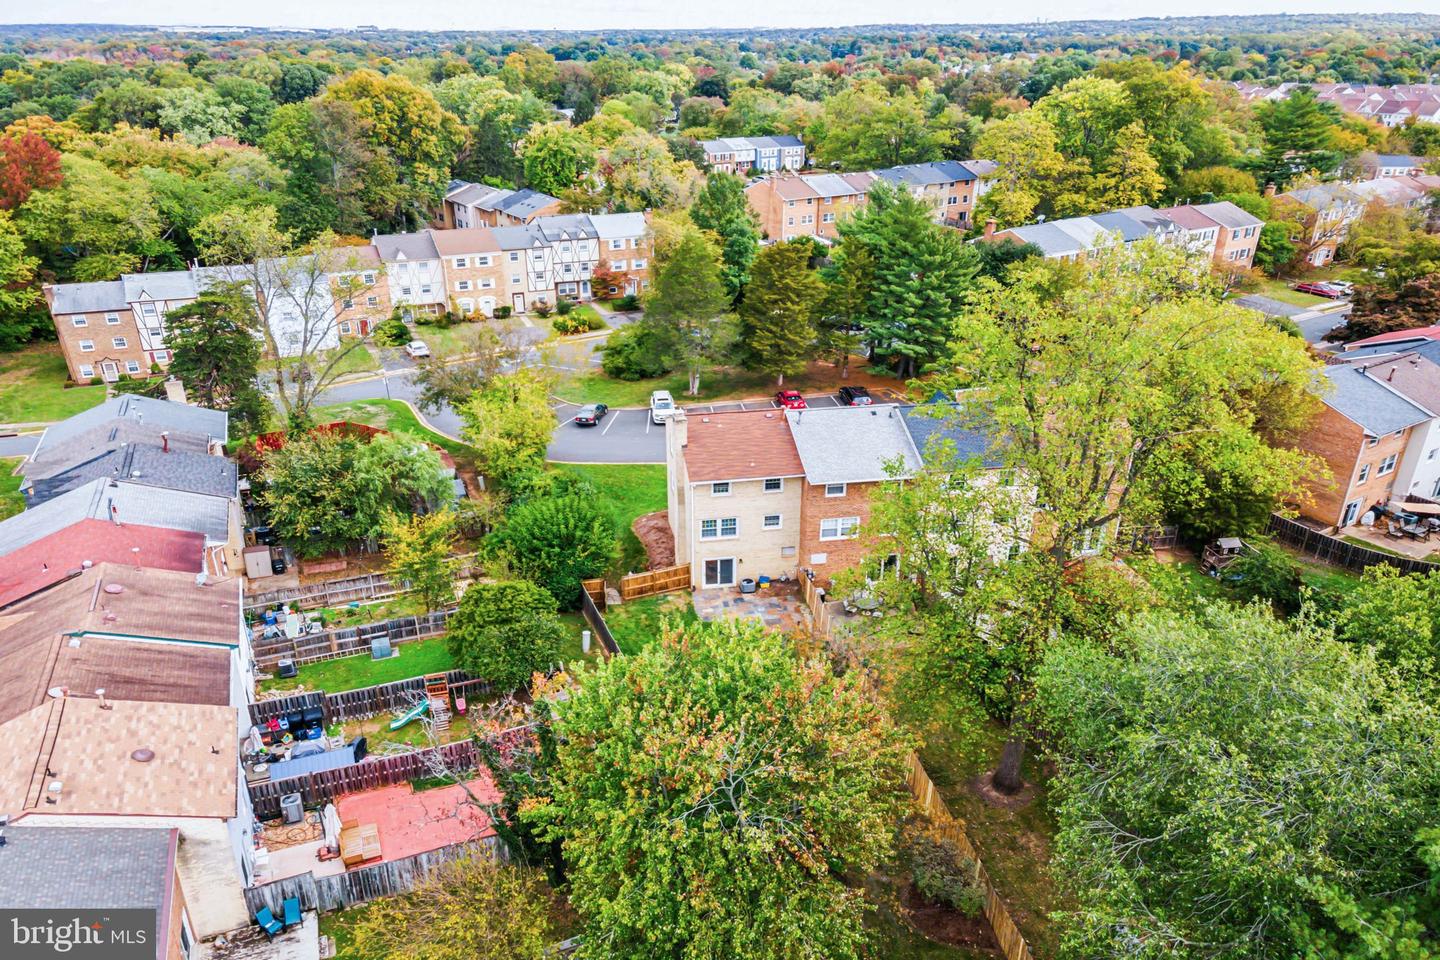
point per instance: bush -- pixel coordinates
(1269, 573)
(557, 542)
(392, 333)
(628, 302)
(502, 313)
(563, 307)
(635, 352)
(581, 321)
(505, 632)
(543, 309)
(940, 873)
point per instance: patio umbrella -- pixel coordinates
(1427, 508)
(330, 824)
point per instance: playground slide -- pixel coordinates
(414, 713)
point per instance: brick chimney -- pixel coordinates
(175, 390)
(1270, 189)
(990, 226)
(680, 426)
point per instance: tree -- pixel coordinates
(1274, 250)
(1214, 182)
(300, 81)
(198, 116)
(470, 909)
(337, 180)
(1087, 115)
(867, 126)
(848, 281)
(1394, 241)
(766, 780)
(777, 318)
(505, 631)
(215, 352)
(482, 354)
(1130, 176)
(637, 352)
(95, 225)
(1380, 310)
(921, 277)
(1299, 137)
(723, 209)
(1028, 163)
(557, 542)
(509, 423)
(18, 297)
(556, 156)
(417, 549)
(640, 173)
(497, 118)
(27, 163)
(1397, 615)
(688, 303)
(328, 490)
(1239, 786)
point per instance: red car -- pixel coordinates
(1320, 290)
(791, 400)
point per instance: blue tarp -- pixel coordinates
(315, 763)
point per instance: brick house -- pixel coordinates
(362, 297)
(475, 278)
(98, 332)
(1238, 234)
(951, 186)
(811, 205)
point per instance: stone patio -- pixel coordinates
(1375, 536)
(777, 606)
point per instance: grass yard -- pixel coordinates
(637, 623)
(32, 387)
(12, 501)
(414, 658)
(716, 383)
(357, 359)
(627, 491)
(395, 416)
(1182, 581)
(1280, 290)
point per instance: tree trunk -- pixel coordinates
(780, 381)
(845, 367)
(1006, 777)
(694, 381)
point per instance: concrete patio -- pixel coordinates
(249, 943)
(1407, 547)
(777, 606)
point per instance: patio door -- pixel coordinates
(720, 572)
(1351, 510)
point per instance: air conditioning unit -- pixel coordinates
(285, 669)
(292, 808)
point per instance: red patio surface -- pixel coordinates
(412, 823)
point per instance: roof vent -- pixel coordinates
(142, 755)
(113, 588)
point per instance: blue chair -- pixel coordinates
(292, 912)
(268, 923)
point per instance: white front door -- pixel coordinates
(519, 300)
(720, 572)
(1352, 509)
(110, 371)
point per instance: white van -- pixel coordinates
(662, 406)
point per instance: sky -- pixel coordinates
(649, 14)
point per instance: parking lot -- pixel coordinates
(814, 400)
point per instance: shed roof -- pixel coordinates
(80, 868)
(853, 444)
(205, 473)
(146, 411)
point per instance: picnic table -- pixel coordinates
(359, 842)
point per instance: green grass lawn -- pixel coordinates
(32, 387)
(357, 359)
(627, 491)
(395, 416)
(12, 501)
(415, 658)
(1280, 290)
(447, 341)
(637, 623)
(716, 383)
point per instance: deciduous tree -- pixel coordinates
(510, 422)
(555, 157)
(418, 549)
(723, 209)
(505, 631)
(557, 542)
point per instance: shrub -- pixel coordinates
(1269, 573)
(580, 321)
(557, 542)
(563, 307)
(940, 873)
(392, 333)
(502, 312)
(543, 309)
(628, 302)
(635, 352)
(505, 632)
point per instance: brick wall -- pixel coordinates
(479, 268)
(100, 336)
(1342, 445)
(815, 507)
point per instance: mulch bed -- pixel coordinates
(946, 925)
(653, 529)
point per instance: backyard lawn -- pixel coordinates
(12, 501)
(625, 491)
(636, 623)
(32, 387)
(395, 416)
(716, 383)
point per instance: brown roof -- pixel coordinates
(88, 750)
(1189, 218)
(136, 601)
(59, 556)
(740, 446)
(1411, 376)
(460, 242)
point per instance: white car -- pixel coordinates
(662, 406)
(417, 349)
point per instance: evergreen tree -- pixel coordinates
(687, 306)
(722, 209)
(777, 319)
(216, 354)
(1299, 137)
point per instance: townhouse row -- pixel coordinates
(1390, 106)
(118, 328)
(1327, 211)
(744, 154)
(791, 205)
(774, 493)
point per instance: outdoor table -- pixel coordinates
(359, 843)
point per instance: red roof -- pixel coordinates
(1416, 333)
(51, 559)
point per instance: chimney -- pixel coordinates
(990, 226)
(1270, 189)
(681, 427)
(165, 439)
(175, 390)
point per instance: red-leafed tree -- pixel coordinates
(27, 164)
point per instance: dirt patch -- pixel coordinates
(947, 925)
(653, 530)
(984, 788)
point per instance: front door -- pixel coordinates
(1352, 509)
(632, 287)
(720, 572)
(519, 303)
(110, 371)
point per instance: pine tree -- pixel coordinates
(782, 302)
(722, 209)
(1299, 136)
(688, 304)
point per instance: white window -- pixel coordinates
(482, 261)
(349, 304)
(1352, 510)
(345, 326)
(618, 264)
(87, 345)
(617, 244)
(147, 310)
(367, 278)
(1372, 441)
(467, 307)
(515, 281)
(372, 301)
(462, 284)
(80, 321)
(1364, 474)
(774, 484)
(120, 343)
(514, 258)
(722, 529)
(404, 291)
(112, 319)
(951, 201)
(772, 521)
(839, 528)
(132, 366)
(834, 489)
(720, 572)
(1386, 466)
(425, 289)
(720, 489)
(461, 263)
(637, 264)
(827, 218)
(789, 221)
(162, 356)
(86, 371)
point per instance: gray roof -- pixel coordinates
(407, 246)
(88, 297)
(112, 435)
(1370, 403)
(852, 444)
(829, 185)
(608, 225)
(1399, 160)
(79, 868)
(123, 502)
(927, 174)
(571, 225)
(938, 422)
(1051, 240)
(981, 168)
(1149, 218)
(518, 238)
(522, 203)
(1429, 349)
(148, 412)
(163, 285)
(1128, 227)
(148, 465)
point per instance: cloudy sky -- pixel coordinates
(660, 14)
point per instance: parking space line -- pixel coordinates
(613, 420)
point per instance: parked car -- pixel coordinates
(790, 400)
(662, 406)
(417, 349)
(1319, 290)
(590, 414)
(1344, 286)
(855, 397)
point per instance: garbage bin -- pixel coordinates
(747, 585)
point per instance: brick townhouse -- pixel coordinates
(1221, 231)
(479, 205)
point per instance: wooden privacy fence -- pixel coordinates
(598, 624)
(596, 590)
(1334, 550)
(348, 641)
(373, 773)
(665, 580)
(372, 586)
(366, 883)
(366, 701)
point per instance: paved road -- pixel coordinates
(18, 446)
(1269, 306)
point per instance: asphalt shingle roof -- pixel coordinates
(410, 246)
(122, 502)
(148, 412)
(105, 297)
(77, 868)
(853, 444)
(1369, 403)
(938, 422)
(176, 470)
